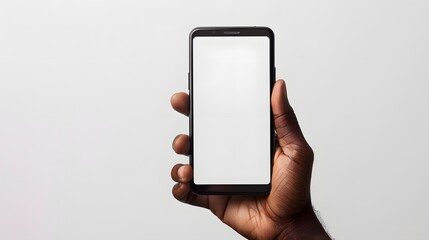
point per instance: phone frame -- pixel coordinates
(230, 189)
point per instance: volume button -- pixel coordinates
(188, 80)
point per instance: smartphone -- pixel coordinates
(231, 76)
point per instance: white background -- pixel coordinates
(86, 126)
(231, 110)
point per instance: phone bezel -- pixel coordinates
(230, 189)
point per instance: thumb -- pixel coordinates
(285, 122)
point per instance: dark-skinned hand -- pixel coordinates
(287, 212)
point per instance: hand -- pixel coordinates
(286, 213)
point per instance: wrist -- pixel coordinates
(304, 225)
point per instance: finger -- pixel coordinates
(180, 102)
(181, 144)
(183, 193)
(181, 173)
(285, 122)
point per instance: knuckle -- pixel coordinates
(285, 123)
(302, 155)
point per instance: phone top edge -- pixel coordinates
(242, 31)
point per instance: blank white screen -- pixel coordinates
(231, 110)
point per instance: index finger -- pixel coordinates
(180, 102)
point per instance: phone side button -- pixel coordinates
(188, 81)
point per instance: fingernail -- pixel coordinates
(284, 89)
(181, 172)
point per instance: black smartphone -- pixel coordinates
(231, 76)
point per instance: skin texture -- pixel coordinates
(286, 213)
